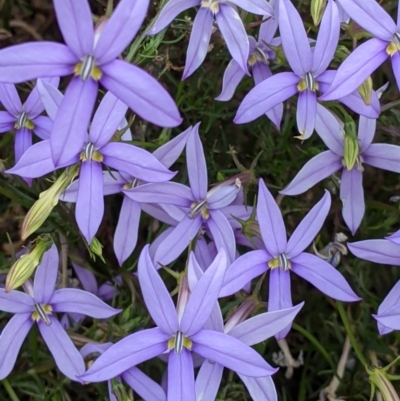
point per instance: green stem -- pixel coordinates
(350, 333)
(10, 390)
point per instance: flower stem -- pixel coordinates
(350, 333)
(10, 391)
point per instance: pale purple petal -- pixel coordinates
(203, 255)
(22, 142)
(33, 60)
(259, 7)
(395, 237)
(167, 214)
(156, 295)
(89, 348)
(268, 28)
(366, 132)
(330, 130)
(324, 276)
(396, 67)
(46, 276)
(306, 113)
(230, 81)
(222, 197)
(16, 302)
(89, 209)
(181, 376)
(43, 127)
(384, 156)
(377, 250)
(7, 121)
(314, 171)
(294, 38)
(355, 102)
(309, 227)
(260, 388)
(267, 95)
(352, 197)
(391, 300)
(271, 223)
(33, 105)
(208, 380)
(141, 92)
(199, 40)
(11, 339)
(389, 320)
(231, 353)
(67, 357)
(10, 99)
(86, 278)
(50, 96)
(120, 29)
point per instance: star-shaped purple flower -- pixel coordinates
(229, 23)
(361, 151)
(281, 257)
(39, 304)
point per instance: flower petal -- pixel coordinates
(384, 156)
(7, 121)
(208, 380)
(10, 99)
(86, 278)
(391, 300)
(181, 376)
(260, 388)
(22, 142)
(377, 250)
(395, 59)
(50, 96)
(16, 302)
(259, 7)
(306, 113)
(230, 81)
(43, 127)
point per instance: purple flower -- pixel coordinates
(38, 305)
(179, 336)
(92, 56)
(363, 61)
(98, 149)
(126, 233)
(229, 23)
(347, 152)
(309, 72)
(281, 257)
(203, 208)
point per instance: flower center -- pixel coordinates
(24, 122)
(258, 55)
(41, 312)
(178, 342)
(88, 69)
(211, 4)
(281, 261)
(394, 45)
(197, 208)
(132, 184)
(90, 153)
(308, 83)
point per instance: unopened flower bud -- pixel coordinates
(379, 379)
(119, 390)
(365, 91)
(183, 295)
(351, 145)
(95, 248)
(317, 10)
(241, 314)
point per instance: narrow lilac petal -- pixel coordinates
(89, 348)
(199, 40)
(147, 388)
(135, 161)
(11, 339)
(72, 120)
(240, 211)
(28, 61)
(370, 16)
(86, 278)
(265, 325)
(43, 127)
(196, 165)
(259, 7)
(366, 132)
(244, 269)
(120, 29)
(108, 291)
(22, 142)
(67, 357)
(396, 67)
(271, 223)
(267, 95)
(232, 29)
(15, 302)
(171, 193)
(89, 209)
(125, 354)
(176, 242)
(51, 98)
(309, 227)
(169, 153)
(395, 237)
(106, 120)
(36, 161)
(76, 25)
(357, 67)
(294, 38)
(260, 388)
(314, 171)
(7, 121)
(33, 105)
(46, 276)
(181, 376)
(231, 353)
(328, 39)
(324, 276)
(222, 197)
(392, 300)
(126, 232)
(208, 380)
(204, 296)
(158, 212)
(10, 99)
(352, 197)
(141, 92)
(203, 256)
(230, 81)
(378, 251)
(389, 320)
(171, 10)
(306, 113)
(156, 295)
(384, 156)
(268, 28)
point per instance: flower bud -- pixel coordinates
(241, 314)
(119, 391)
(23, 268)
(317, 10)
(379, 380)
(351, 145)
(95, 248)
(365, 91)
(48, 199)
(183, 295)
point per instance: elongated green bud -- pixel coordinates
(119, 390)
(351, 145)
(379, 379)
(24, 267)
(317, 10)
(365, 91)
(48, 199)
(95, 248)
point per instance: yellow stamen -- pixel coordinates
(308, 83)
(394, 45)
(87, 68)
(41, 312)
(280, 261)
(178, 342)
(211, 4)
